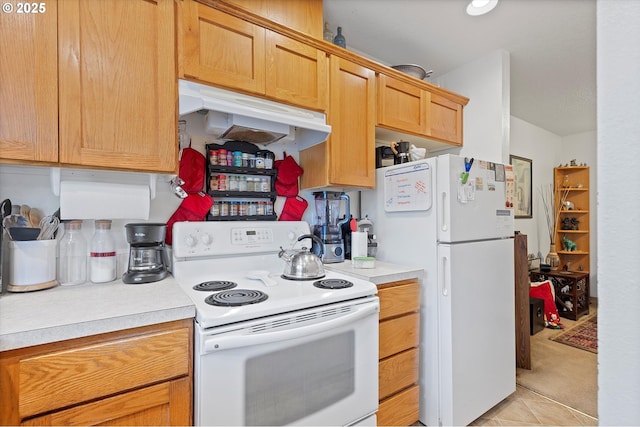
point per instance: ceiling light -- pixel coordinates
(480, 7)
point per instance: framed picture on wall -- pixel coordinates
(523, 207)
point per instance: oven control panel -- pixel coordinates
(218, 238)
(251, 235)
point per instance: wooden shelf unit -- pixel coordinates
(575, 180)
(571, 289)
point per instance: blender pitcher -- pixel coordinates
(328, 225)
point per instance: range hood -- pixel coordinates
(236, 116)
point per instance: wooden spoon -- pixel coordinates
(35, 216)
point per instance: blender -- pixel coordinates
(147, 258)
(328, 225)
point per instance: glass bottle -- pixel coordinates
(72, 268)
(327, 35)
(339, 39)
(103, 253)
(183, 136)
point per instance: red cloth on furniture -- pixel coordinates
(545, 292)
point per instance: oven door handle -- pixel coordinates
(220, 343)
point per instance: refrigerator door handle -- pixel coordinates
(443, 205)
(445, 279)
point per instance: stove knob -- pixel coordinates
(190, 241)
(206, 239)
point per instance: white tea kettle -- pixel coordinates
(302, 264)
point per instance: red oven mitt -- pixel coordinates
(293, 209)
(192, 170)
(193, 208)
(287, 178)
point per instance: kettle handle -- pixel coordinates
(314, 238)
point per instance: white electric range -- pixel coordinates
(270, 350)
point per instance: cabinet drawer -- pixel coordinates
(397, 372)
(70, 375)
(398, 334)
(399, 299)
(400, 409)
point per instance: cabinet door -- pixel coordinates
(445, 120)
(29, 85)
(159, 405)
(222, 49)
(296, 72)
(352, 118)
(402, 107)
(117, 77)
(304, 16)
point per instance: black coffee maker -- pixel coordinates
(148, 260)
(400, 151)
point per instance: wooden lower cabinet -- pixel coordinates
(398, 388)
(141, 376)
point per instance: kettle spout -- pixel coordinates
(284, 255)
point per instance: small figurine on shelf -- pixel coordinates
(570, 223)
(569, 245)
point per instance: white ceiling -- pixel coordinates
(552, 46)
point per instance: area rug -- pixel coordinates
(583, 336)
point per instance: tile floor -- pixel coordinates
(527, 408)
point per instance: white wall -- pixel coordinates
(486, 82)
(618, 86)
(540, 146)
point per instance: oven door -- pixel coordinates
(310, 367)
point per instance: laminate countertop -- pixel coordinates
(383, 272)
(67, 312)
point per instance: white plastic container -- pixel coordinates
(32, 265)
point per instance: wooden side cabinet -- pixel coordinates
(402, 106)
(398, 388)
(571, 289)
(347, 158)
(141, 376)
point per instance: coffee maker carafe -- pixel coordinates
(328, 225)
(147, 255)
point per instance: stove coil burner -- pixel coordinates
(236, 297)
(333, 284)
(215, 285)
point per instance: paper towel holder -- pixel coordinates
(55, 182)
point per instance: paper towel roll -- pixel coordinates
(99, 200)
(359, 240)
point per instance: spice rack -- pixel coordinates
(240, 193)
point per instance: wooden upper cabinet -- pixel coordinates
(304, 16)
(296, 72)
(352, 117)
(402, 107)
(29, 86)
(223, 50)
(118, 86)
(445, 120)
(346, 159)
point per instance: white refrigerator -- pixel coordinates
(456, 225)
